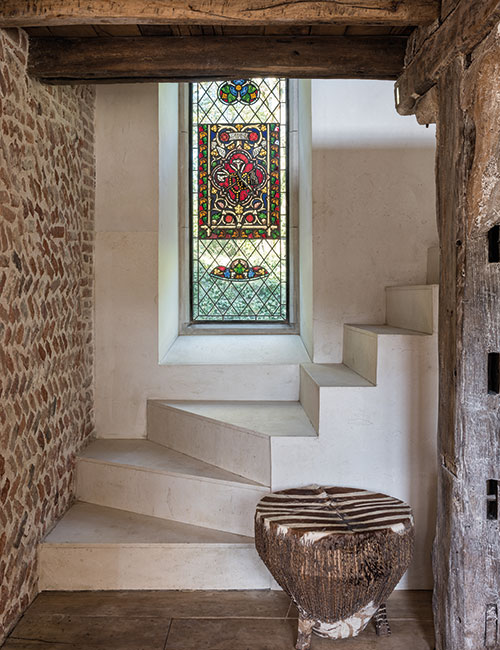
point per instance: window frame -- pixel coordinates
(186, 326)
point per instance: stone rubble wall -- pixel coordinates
(47, 181)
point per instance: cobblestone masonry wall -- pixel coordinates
(46, 345)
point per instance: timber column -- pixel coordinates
(466, 553)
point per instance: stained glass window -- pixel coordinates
(239, 201)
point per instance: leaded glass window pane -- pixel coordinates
(239, 225)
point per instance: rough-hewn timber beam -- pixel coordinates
(14, 13)
(198, 58)
(427, 107)
(462, 30)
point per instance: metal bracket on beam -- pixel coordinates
(404, 105)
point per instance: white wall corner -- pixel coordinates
(170, 171)
(304, 185)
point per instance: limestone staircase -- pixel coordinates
(175, 510)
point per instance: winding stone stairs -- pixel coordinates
(175, 510)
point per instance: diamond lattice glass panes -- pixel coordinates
(239, 201)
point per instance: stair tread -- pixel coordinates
(86, 523)
(262, 418)
(413, 287)
(381, 330)
(334, 375)
(150, 456)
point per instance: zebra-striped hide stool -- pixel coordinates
(337, 552)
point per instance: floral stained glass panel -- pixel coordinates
(239, 201)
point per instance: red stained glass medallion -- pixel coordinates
(239, 181)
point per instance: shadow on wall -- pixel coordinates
(373, 222)
(373, 204)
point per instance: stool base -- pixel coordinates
(305, 633)
(382, 627)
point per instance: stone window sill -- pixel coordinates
(236, 349)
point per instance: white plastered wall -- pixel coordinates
(372, 195)
(373, 205)
(373, 221)
(128, 238)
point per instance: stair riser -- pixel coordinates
(382, 438)
(327, 395)
(212, 504)
(412, 308)
(213, 442)
(309, 397)
(360, 353)
(120, 413)
(295, 453)
(190, 566)
(406, 360)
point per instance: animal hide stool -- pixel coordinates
(337, 552)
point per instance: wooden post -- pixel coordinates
(466, 551)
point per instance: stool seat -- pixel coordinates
(338, 552)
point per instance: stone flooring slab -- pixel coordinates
(162, 604)
(201, 620)
(102, 632)
(280, 634)
(410, 605)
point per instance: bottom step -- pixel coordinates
(97, 548)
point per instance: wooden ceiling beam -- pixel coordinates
(46, 13)
(462, 30)
(194, 58)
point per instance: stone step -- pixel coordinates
(146, 478)
(315, 378)
(237, 436)
(125, 415)
(361, 346)
(95, 547)
(413, 307)
(216, 367)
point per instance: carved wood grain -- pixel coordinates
(217, 12)
(462, 30)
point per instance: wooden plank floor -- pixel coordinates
(201, 620)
